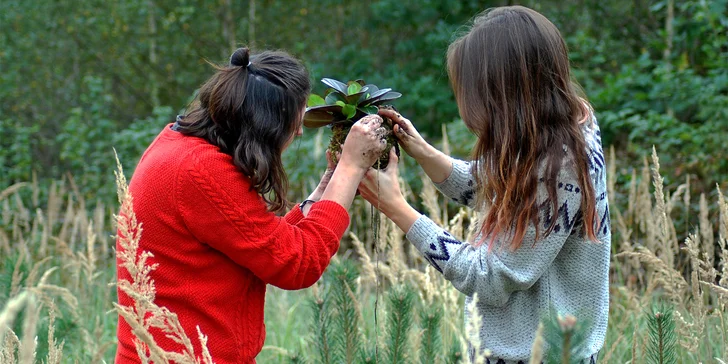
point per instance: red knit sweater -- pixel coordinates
(217, 246)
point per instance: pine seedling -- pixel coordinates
(566, 339)
(454, 355)
(662, 344)
(431, 345)
(345, 312)
(399, 321)
(367, 356)
(320, 327)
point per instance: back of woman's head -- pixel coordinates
(251, 109)
(511, 78)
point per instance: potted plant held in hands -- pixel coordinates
(343, 105)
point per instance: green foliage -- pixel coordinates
(320, 327)
(345, 315)
(454, 355)
(336, 316)
(430, 317)
(399, 322)
(345, 103)
(662, 344)
(565, 337)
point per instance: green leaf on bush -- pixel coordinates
(315, 100)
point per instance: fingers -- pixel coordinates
(373, 121)
(393, 158)
(330, 159)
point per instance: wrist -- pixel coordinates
(427, 153)
(351, 170)
(393, 207)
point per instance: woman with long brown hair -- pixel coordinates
(537, 176)
(208, 191)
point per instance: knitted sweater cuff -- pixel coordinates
(459, 185)
(330, 214)
(294, 216)
(422, 231)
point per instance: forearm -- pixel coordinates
(436, 164)
(342, 187)
(401, 213)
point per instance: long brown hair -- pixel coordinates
(511, 79)
(250, 109)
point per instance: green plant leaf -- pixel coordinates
(340, 103)
(333, 97)
(389, 96)
(316, 118)
(375, 95)
(354, 98)
(349, 111)
(369, 109)
(353, 88)
(336, 85)
(315, 100)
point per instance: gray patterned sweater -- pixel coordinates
(564, 272)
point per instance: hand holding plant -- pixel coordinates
(343, 105)
(409, 138)
(365, 142)
(381, 187)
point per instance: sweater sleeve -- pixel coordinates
(494, 275)
(219, 209)
(460, 184)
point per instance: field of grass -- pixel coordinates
(58, 267)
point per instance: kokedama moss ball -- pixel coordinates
(340, 131)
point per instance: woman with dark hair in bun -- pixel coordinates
(208, 190)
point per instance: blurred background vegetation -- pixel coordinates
(80, 77)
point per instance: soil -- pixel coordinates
(340, 131)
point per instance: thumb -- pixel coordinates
(393, 166)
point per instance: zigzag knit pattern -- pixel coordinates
(561, 273)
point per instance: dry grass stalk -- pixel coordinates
(144, 314)
(430, 199)
(12, 343)
(663, 274)
(28, 345)
(10, 312)
(471, 338)
(55, 350)
(368, 274)
(12, 190)
(537, 347)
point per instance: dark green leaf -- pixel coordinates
(369, 109)
(376, 95)
(389, 96)
(336, 85)
(317, 118)
(354, 98)
(333, 97)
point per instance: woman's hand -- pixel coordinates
(436, 164)
(409, 138)
(381, 189)
(365, 142)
